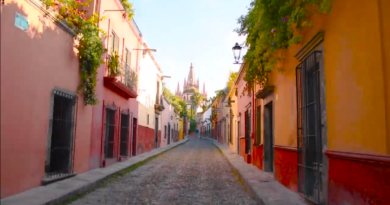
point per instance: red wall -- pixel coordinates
(286, 166)
(145, 139)
(242, 147)
(358, 178)
(257, 156)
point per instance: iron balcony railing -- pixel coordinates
(124, 73)
(130, 77)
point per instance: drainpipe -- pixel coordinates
(103, 164)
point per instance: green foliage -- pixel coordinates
(90, 46)
(113, 64)
(220, 93)
(232, 77)
(180, 107)
(128, 6)
(272, 26)
(196, 100)
(193, 125)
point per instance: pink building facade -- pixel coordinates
(117, 106)
(39, 143)
(168, 128)
(244, 119)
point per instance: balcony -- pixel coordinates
(159, 107)
(120, 78)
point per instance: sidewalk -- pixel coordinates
(63, 190)
(261, 185)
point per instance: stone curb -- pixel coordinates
(261, 185)
(61, 191)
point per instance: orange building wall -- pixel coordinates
(354, 80)
(357, 99)
(384, 6)
(32, 64)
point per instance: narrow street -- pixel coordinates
(193, 173)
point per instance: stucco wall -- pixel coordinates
(166, 119)
(234, 140)
(32, 64)
(355, 95)
(128, 38)
(243, 100)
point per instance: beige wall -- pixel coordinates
(149, 74)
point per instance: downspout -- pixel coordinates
(102, 137)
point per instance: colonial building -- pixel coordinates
(190, 86)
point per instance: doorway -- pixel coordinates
(309, 125)
(109, 140)
(238, 137)
(156, 133)
(124, 135)
(169, 133)
(134, 150)
(59, 158)
(247, 132)
(268, 138)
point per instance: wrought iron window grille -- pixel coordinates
(309, 128)
(60, 149)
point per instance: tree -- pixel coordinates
(231, 79)
(178, 104)
(196, 100)
(272, 26)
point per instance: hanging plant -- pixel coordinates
(128, 6)
(113, 64)
(90, 47)
(272, 26)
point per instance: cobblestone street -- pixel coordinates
(193, 173)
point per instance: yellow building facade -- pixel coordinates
(343, 132)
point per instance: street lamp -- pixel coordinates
(237, 52)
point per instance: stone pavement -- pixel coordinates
(61, 191)
(193, 173)
(261, 185)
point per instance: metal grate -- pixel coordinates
(110, 132)
(124, 144)
(309, 128)
(59, 161)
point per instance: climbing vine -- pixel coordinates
(90, 46)
(128, 6)
(272, 26)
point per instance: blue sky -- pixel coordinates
(185, 31)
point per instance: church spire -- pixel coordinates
(178, 87)
(191, 76)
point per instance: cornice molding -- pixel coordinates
(310, 46)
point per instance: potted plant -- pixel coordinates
(113, 64)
